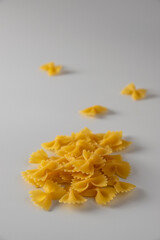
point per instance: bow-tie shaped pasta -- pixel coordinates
(52, 191)
(120, 168)
(111, 139)
(51, 68)
(119, 186)
(136, 94)
(49, 166)
(79, 166)
(73, 197)
(101, 195)
(57, 143)
(105, 195)
(38, 156)
(114, 141)
(94, 110)
(98, 181)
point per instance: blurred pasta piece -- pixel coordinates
(136, 94)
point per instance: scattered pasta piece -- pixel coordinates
(94, 110)
(79, 166)
(136, 94)
(51, 69)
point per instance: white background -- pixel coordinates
(103, 46)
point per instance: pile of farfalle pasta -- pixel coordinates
(73, 168)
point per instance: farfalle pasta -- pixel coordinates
(51, 68)
(94, 110)
(136, 94)
(71, 169)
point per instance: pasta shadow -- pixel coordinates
(88, 206)
(106, 114)
(66, 71)
(150, 95)
(134, 147)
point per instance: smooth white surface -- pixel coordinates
(104, 45)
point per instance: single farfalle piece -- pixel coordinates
(104, 195)
(51, 68)
(121, 187)
(61, 141)
(94, 110)
(52, 191)
(124, 144)
(57, 144)
(41, 199)
(111, 139)
(72, 197)
(114, 141)
(38, 156)
(136, 94)
(96, 181)
(120, 168)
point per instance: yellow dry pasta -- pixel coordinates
(136, 94)
(38, 156)
(51, 69)
(105, 195)
(95, 181)
(78, 167)
(72, 197)
(52, 191)
(94, 110)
